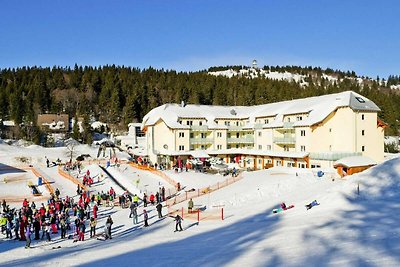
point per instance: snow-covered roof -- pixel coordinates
(356, 161)
(98, 124)
(8, 123)
(199, 154)
(317, 109)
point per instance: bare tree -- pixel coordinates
(71, 145)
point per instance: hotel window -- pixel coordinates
(330, 130)
(303, 148)
(288, 119)
(259, 134)
(219, 146)
(268, 147)
(362, 116)
(229, 146)
(219, 134)
(285, 148)
(237, 135)
(200, 123)
(299, 118)
(291, 164)
(181, 134)
(259, 161)
(191, 135)
(237, 146)
(181, 148)
(203, 135)
(260, 147)
(303, 132)
(237, 123)
(362, 132)
(363, 148)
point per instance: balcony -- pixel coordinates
(286, 139)
(243, 140)
(288, 125)
(235, 128)
(200, 141)
(199, 128)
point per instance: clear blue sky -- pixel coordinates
(359, 35)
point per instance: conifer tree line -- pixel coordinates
(119, 95)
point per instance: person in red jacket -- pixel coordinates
(95, 209)
(152, 197)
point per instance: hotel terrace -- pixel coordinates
(306, 133)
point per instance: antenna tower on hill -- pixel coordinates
(254, 64)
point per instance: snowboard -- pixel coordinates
(56, 247)
(280, 209)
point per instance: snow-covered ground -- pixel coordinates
(346, 229)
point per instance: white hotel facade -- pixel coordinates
(305, 133)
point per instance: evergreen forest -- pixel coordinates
(118, 95)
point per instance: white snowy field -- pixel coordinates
(346, 229)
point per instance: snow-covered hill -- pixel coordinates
(356, 223)
(301, 79)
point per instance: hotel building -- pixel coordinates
(306, 133)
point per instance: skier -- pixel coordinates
(135, 215)
(178, 220)
(136, 200)
(95, 209)
(93, 224)
(109, 223)
(312, 204)
(190, 206)
(28, 236)
(152, 197)
(146, 217)
(82, 228)
(144, 200)
(131, 207)
(159, 209)
(63, 227)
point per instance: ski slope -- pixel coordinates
(346, 229)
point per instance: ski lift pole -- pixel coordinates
(222, 213)
(182, 213)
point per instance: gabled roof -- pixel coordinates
(317, 108)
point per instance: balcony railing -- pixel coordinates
(242, 140)
(197, 141)
(199, 128)
(288, 125)
(235, 128)
(286, 139)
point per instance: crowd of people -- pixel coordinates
(58, 215)
(69, 217)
